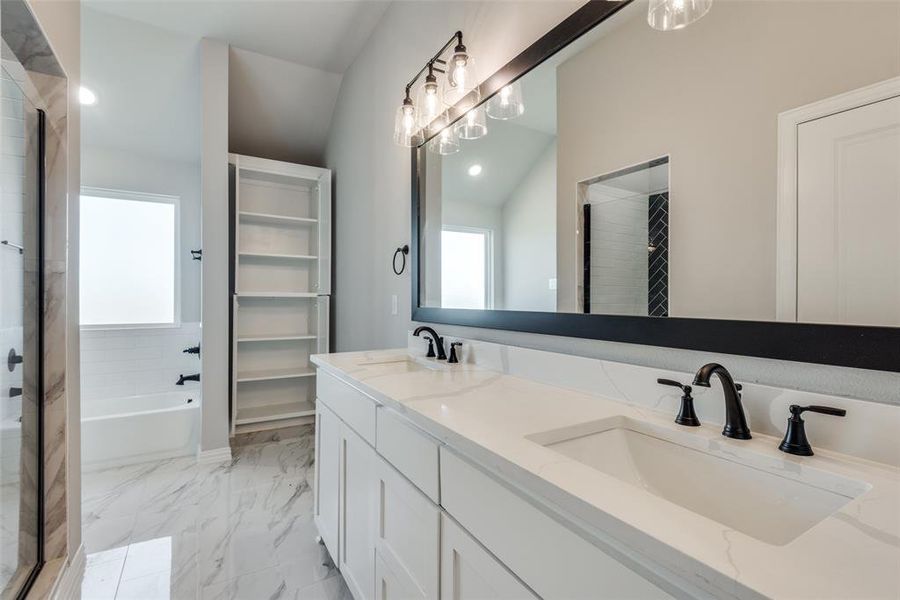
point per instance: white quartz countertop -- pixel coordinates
(486, 415)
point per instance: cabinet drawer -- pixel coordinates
(352, 406)
(407, 532)
(549, 557)
(411, 451)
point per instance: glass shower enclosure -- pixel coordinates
(21, 333)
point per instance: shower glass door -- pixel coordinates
(21, 288)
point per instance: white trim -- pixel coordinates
(175, 201)
(214, 456)
(786, 211)
(68, 583)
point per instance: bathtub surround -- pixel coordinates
(123, 363)
(178, 529)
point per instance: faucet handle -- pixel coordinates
(795, 441)
(686, 415)
(430, 353)
(453, 357)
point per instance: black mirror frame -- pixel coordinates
(876, 348)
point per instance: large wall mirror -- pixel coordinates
(730, 186)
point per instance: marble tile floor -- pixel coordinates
(175, 529)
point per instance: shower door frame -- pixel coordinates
(39, 379)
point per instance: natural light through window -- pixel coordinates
(128, 272)
(464, 268)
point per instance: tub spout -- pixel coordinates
(183, 378)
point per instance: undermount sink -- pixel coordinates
(404, 363)
(743, 492)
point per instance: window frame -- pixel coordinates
(175, 201)
(488, 260)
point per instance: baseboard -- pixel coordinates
(136, 459)
(214, 456)
(68, 584)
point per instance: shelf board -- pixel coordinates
(273, 374)
(279, 219)
(274, 412)
(275, 338)
(277, 294)
(277, 256)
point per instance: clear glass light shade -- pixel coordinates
(473, 125)
(507, 103)
(446, 142)
(406, 127)
(669, 15)
(429, 103)
(461, 79)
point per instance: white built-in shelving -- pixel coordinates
(282, 282)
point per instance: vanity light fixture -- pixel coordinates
(430, 99)
(86, 96)
(475, 170)
(507, 103)
(406, 125)
(669, 15)
(415, 121)
(473, 125)
(445, 142)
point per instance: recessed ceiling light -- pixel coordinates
(475, 170)
(86, 96)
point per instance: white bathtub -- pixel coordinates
(118, 431)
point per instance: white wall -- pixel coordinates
(372, 175)
(278, 109)
(372, 198)
(529, 239)
(215, 302)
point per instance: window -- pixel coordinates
(128, 271)
(466, 268)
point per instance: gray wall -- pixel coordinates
(372, 197)
(529, 239)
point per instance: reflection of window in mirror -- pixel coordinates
(624, 241)
(466, 273)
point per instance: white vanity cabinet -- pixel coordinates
(407, 518)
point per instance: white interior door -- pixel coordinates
(848, 216)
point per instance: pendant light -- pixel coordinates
(461, 76)
(446, 142)
(507, 103)
(669, 15)
(429, 101)
(473, 125)
(406, 126)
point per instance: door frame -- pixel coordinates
(786, 199)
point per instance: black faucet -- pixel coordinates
(735, 421)
(192, 350)
(438, 341)
(183, 378)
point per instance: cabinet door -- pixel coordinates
(469, 572)
(358, 504)
(327, 477)
(389, 585)
(407, 533)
